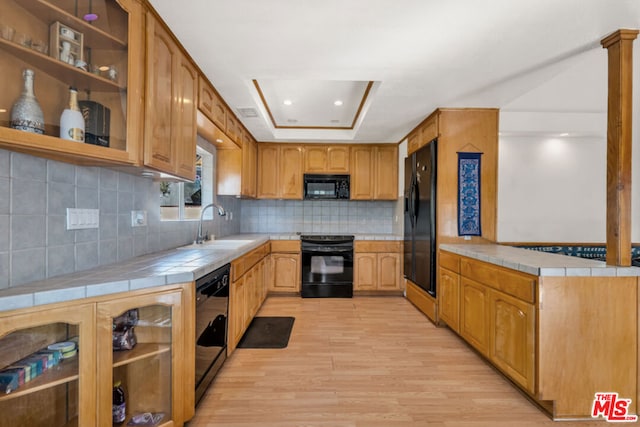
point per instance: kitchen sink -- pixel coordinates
(218, 244)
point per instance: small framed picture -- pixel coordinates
(65, 43)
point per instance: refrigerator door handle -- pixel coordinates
(412, 204)
(414, 200)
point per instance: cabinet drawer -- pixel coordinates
(292, 246)
(377, 246)
(450, 261)
(243, 264)
(519, 285)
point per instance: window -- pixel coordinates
(184, 200)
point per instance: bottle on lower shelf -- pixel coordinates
(119, 404)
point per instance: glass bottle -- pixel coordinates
(71, 120)
(119, 410)
(26, 113)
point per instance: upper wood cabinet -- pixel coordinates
(234, 129)
(249, 167)
(374, 172)
(236, 170)
(211, 104)
(332, 159)
(279, 171)
(170, 115)
(426, 132)
(116, 41)
(186, 128)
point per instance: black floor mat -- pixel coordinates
(267, 332)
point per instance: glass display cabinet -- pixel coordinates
(140, 346)
(95, 47)
(48, 388)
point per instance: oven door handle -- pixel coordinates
(325, 242)
(327, 251)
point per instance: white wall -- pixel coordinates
(552, 188)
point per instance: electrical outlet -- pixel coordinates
(78, 219)
(138, 218)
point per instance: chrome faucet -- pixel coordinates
(200, 237)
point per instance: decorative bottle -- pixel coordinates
(119, 409)
(71, 120)
(26, 113)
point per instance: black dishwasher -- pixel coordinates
(212, 307)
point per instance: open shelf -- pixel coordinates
(87, 154)
(94, 37)
(139, 352)
(64, 372)
(166, 421)
(82, 80)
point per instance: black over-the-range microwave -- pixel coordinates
(326, 186)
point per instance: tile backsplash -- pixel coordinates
(34, 196)
(329, 216)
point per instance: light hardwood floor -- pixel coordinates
(363, 362)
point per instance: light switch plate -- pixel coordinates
(138, 218)
(78, 219)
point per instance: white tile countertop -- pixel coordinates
(539, 263)
(357, 236)
(179, 265)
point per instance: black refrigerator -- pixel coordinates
(420, 217)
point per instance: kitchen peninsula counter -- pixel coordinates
(561, 328)
(539, 263)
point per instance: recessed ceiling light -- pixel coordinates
(337, 103)
(219, 141)
(3, 110)
(287, 102)
(564, 134)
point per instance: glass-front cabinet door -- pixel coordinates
(140, 353)
(49, 46)
(47, 367)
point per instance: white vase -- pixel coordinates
(26, 113)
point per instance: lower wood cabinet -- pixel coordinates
(156, 374)
(493, 309)
(285, 267)
(286, 272)
(247, 292)
(449, 298)
(512, 338)
(377, 266)
(474, 314)
(150, 374)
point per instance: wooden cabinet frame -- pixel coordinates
(96, 358)
(53, 76)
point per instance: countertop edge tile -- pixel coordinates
(538, 263)
(173, 278)
(147, 282)
(100, 289)
(15, 302)
(59, 295)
